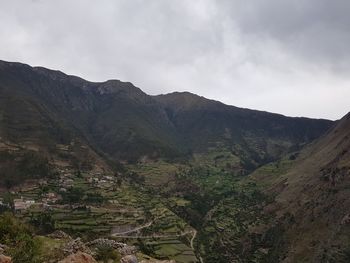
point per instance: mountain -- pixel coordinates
(120, 121)
(312, 199)
(115, 117)
(169, 173)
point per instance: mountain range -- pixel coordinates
(231, 184)
(121, 121)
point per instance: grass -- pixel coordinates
(49, 248)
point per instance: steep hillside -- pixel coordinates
(315, 195)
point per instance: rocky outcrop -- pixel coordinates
(75, 246)
(129, 259)
(158, 261)
(5, 259)
(346, 220)
(122, 248)
(105, 243)
(59, 234)
(79, 257)
(2, 248)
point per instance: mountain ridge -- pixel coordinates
(125, 123)
(130, 84)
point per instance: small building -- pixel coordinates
(22, 204)
(51, 197)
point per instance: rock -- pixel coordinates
(127, 250)
(75, 246)
(4, 259)
(106, 243)
(346, 220)
(122, 248)
(59, 234)
(158, 261)
(129, 259)
(2, 248)
(79, 257)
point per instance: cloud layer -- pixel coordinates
(290, 57)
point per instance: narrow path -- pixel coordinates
(192, 246)
(132, 230)
(154, 236)
(124, 235)
(193, 238)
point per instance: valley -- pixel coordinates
(177, 176)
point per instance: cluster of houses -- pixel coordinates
(22, 204)
(48, 199)
(65, 181)
(101, 181)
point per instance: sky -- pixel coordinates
(283, 56)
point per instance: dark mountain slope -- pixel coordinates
(120, 120)
(315, 195)
(259, 136)
(116, 117)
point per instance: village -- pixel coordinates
(50, 191)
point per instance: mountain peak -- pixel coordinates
(185, 100)
(117, 86)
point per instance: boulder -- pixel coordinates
(79, 257)
(59, 234)
(5, 259)
(129, 259)
(346, 220)
(157, 261)
(2, 248)
(75, 246)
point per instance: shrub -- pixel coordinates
(105, 253)
(18, 237)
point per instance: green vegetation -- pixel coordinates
(105, 254)
(19, 238)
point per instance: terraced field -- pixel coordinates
(126, 214)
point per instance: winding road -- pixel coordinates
(124, 235)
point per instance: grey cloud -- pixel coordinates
(283, 56)
(317, 30)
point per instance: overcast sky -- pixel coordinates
(285, 56)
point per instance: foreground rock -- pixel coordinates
(158, 261)
(129, 259)
(5, 259)
(59, 234)
(75, 246)
(78, 257)
(122, 248)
